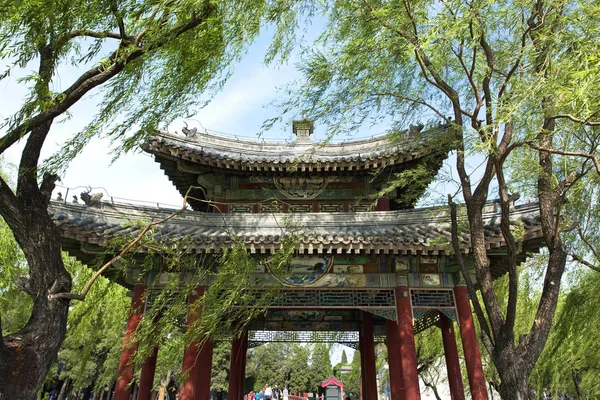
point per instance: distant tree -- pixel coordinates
(299, 374)
(344, 357)
(219, 381)
(430, 353)
(352, 378)
(320, 368)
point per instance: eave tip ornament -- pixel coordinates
(303, 128)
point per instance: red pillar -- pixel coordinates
(370, 373)
(383, 204)
(407, 344)
(126, 366)
(457, 391)
(235, 367)
(147, 376)
(197, 361)
(147, 373)
(470, 345)
(244, 350)
(394, 361)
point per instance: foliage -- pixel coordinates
(570, 359)
(430, 356)
(344, 359)
(95, 334)
(15, 305)
(281, 364)
(320, 366)
(299, 375)
(352, 378)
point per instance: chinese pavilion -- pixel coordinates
(365, 271)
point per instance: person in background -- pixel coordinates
(251, 395)
(285, 393)
(268, 392)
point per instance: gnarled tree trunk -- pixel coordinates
(26, 355)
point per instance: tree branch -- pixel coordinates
(591, 157)
(584, 262)
(93, 78)
(93, 34)
(115, 10)
(586, 122)
(485, 329)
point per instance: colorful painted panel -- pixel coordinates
(307, 270)
(348, 269)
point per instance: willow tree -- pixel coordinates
(151, 61)
(514, 79)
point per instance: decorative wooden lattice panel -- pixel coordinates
(336, 299)
(272, 207)
(300, 208)
(432, 298)
(350, 339)
(360, 207)
(240, 208)
(428, 304)
(428, 319)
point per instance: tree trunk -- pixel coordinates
(64, 389)
(514, 381)
(26, 356)
(576, 375)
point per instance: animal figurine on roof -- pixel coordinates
(190, 133)
(92, 199)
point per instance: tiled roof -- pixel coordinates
(254, 155)
(404, 232)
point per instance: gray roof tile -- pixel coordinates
(407, 231)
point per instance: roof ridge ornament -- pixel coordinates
(303, 128)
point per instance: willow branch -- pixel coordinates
(585, 122)
(589, 156)
(584, 262)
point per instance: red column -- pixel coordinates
(220, 206)
(383, 204)
(369, 354)
(244, 350)
(394, 361)
(457, 391)
(235, 367)
(126, 366)
(197, 360)
(148, 370)
(204, 371)
(147, 376)
(470, 345)
(407, 344)
(361, 349)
